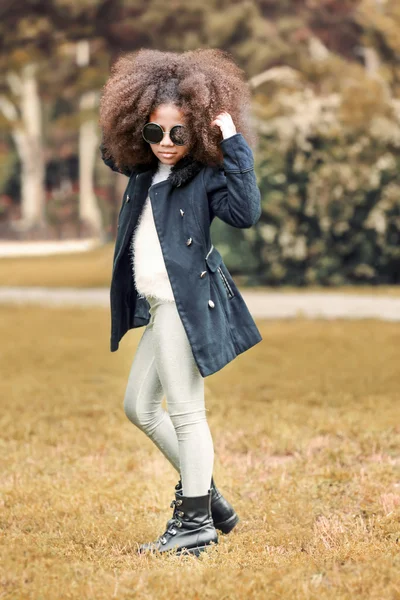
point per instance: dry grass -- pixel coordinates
(77, 269)
(93, 269)
(307, 448)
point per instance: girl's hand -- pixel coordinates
(225, 123)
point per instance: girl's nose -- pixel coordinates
(166, 141)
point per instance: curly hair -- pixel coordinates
(202, 83)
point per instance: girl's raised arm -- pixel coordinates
(232, 190)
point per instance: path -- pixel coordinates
(261, 305)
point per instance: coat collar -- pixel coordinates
(181, 172)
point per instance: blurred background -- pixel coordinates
(325, 77)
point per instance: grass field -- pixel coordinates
(307, 448)
(93, 269)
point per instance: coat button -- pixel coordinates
(127, 199)
(182, 212)
(211, 303)
(188, 242)
(203, 273)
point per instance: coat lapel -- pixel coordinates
(181, 173)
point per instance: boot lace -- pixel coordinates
(176, 521)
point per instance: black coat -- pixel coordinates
(216, 319)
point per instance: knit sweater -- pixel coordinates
(149, 271)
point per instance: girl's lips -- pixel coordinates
(167, 153)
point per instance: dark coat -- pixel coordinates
(216, 319)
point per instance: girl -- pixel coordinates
(169, 123)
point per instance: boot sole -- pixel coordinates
(196, 551)
(228, 525)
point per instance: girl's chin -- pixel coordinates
(168, 159)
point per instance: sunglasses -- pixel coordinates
(153, 133)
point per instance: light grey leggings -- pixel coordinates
(164, 364)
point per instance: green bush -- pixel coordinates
(330, 190)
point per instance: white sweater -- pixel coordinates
(150, 274)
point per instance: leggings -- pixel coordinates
(164, 364)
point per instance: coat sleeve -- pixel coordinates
(110, 162)
(232, 190)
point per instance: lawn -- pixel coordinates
(307, 448)
(94, 268)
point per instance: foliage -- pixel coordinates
(328, 164)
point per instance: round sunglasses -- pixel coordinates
(153, 133)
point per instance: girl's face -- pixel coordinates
(168, 115)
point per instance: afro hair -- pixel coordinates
(202, 83)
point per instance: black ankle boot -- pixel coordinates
(190, 530)
(222, 512)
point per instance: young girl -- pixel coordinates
(170, 123)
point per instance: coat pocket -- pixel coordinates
(218, 269)
(225, 281)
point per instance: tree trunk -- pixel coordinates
(28, 138)
(89, 210)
